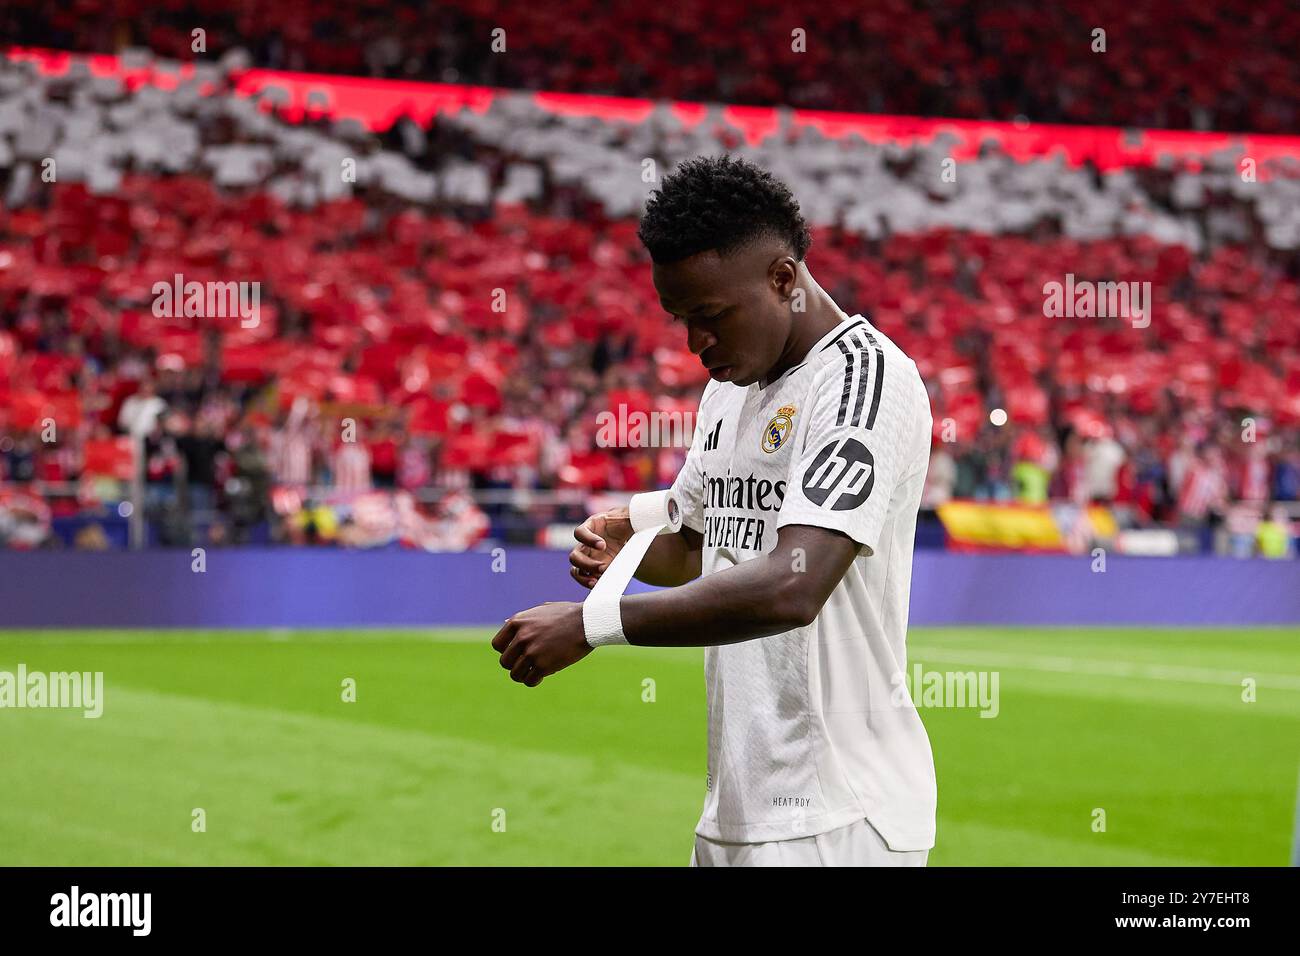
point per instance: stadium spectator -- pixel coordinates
(200, 447)
(350, 466)
(939, 479)
(1274, 536)
(141, 410)
(1102, 458)
(1204, 491)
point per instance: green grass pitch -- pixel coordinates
(1148, 725)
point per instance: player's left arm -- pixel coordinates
(782, 589)
(777, 592)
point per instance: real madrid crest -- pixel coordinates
(778, 429)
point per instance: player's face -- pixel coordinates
(735, 310)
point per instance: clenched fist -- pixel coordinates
(542, 640)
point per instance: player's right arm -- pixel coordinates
(672, 560)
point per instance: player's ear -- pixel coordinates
(783, 274)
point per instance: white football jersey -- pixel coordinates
(814, 728)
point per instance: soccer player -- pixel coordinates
(793, 565)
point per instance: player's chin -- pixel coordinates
(742, 377)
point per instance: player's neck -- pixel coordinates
(821, 315)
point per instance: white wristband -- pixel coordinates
(602, 620)
(651, 514)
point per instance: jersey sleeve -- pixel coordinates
(860, 439)
(689, 486)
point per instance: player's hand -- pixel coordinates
(542, 640)
(600, 538)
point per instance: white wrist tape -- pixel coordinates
(652, 513)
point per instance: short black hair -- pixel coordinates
(721, 203)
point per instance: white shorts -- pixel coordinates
(857, 844)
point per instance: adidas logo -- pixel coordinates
(711, 442)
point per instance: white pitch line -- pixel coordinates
(1080, 665)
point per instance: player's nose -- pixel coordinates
(697, 340)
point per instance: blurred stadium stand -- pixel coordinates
(984, 61)
(377, 301)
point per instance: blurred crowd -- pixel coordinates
(1156, 64)
(458, 318)
(1204, 479)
